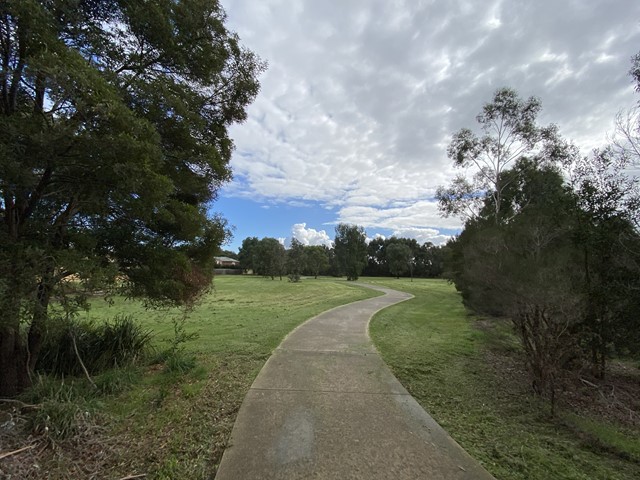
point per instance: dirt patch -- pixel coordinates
(615, 399)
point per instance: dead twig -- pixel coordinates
(587, 382)
(131, 477)
(8, 454)
(84, 369)
(19, 404)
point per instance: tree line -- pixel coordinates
(550, 237)
(350, 256)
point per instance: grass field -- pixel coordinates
(466, 371)
(468, 374)
(175, 424)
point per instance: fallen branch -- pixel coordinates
(587, 382)
(131, 477)
(19, 404)
(84, 369)
(8, 454)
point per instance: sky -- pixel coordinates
(361, 97)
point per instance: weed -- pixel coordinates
(175, 358)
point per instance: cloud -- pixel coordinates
(422, 235)
(309, 236)
(361, 98)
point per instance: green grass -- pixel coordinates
(465, 372)
(174, 423)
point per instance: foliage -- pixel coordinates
(400, 259)
(113, 142)
(558, 258)
(247, 254)
(465, 370)
(510, 131)
(427, 259)
(607, 238)
(119, 342)
(296, 260)
(270, 258)
(351, 249)
(317, 259)
(175, 357)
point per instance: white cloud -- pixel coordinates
(422, 235)
(360, 98)
(309, 236)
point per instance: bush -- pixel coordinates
(119, 343)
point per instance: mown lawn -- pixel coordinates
(175, 424)
(467, 372)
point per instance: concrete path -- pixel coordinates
(325, 406)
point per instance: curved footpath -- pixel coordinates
(325, 406)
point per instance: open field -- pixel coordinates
(467, 373)
(174, 424)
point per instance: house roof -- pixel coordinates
(226, 259)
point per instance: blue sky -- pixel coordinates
(360, 100)
(271, 219)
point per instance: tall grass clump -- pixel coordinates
(74, 343)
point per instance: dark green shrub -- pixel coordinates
(119, 343)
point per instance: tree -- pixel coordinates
(607, 237)
(528, 269)
(399, 258)
(270, 258)
(376, 258)
(626, 139)
(351, 249)
(510, 132)
(296, 260)
(247, 254)
(113, 141)
(317, 259)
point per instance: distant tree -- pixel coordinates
(247, 254)
(510, 132)
(376, 258)
(400, 258)
(351, 249)
(296, 260)
(113, 142)
(270, 258)
(317, 259)
(429, 260)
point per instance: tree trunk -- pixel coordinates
(14, 376)
(35, 337)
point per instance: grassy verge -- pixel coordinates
(468, 374)
(171, 423)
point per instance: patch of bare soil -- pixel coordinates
(615, 399)
(27, 455)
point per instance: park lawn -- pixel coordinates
(175, 424)
(467, 373)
